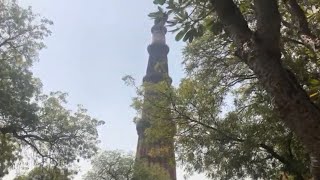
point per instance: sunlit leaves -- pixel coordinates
(9, 155)
(63, 135)
(29, 119)
(222, 141)
(183, 14)
(111, 165)
(248, 138)
(119, 165)
(45, 173)
(228, 145)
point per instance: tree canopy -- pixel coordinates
(45, 173)
(261, 59)
(236, 131)
(29, 118)
(111, 165)
(118, 165)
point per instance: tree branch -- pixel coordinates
(33, 147)
(274, 154)
(297, 12)
(268, 23)
(305, 33)
(233, 21)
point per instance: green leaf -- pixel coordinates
(180, 35)
(191, 39)
(189, 35)
(161, 2)
(314, 82)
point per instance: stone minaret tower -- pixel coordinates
(158, 152)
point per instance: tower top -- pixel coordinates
(159, 30)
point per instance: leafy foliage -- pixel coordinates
(153, 171)
(45, 173)
(228, 145)
(115, 165)
(61, 135)
(28, 118)
(246, 137)
(8, 155)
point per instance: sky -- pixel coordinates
(93, 45)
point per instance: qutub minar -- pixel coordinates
(161, 151)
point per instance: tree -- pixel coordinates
(29, 118)
(45, 173)
(111, 165)
(8, 155)
(231, 145)
(117, 165)
(247, 139)
(259, 33)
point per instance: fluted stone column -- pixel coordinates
(157, 72)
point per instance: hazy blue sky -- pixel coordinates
(93, 45)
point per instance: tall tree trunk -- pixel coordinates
(260, 50)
